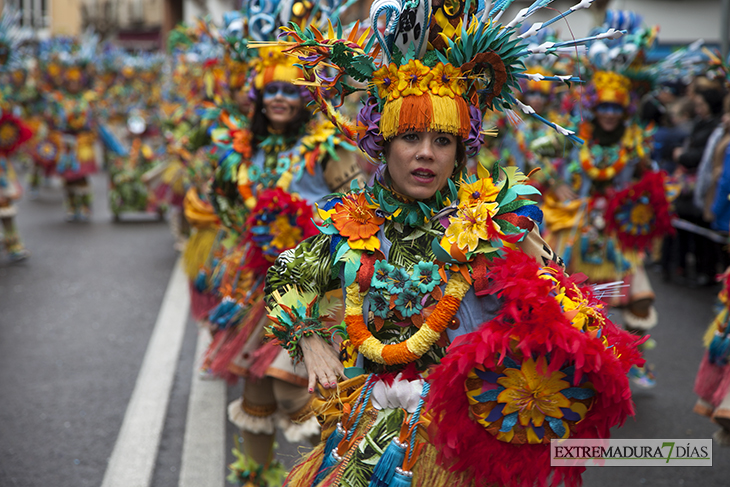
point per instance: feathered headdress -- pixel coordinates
(259, 22)
(620, 72)
(431, 66)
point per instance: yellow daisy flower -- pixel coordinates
(414, 78)
(532, 394)
(447, 81)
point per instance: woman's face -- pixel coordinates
(242, 100)
(420, 163)
(74, 86)
(702, 109)
(609, 116)
(282, 103)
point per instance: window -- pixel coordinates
(33, 13)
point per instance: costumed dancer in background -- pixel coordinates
(127, 189)
(20, 91)
(712, 383)
(191, 151)
(453, 378)
(611, 205)
(273, 168)
(13, 133)
(72, 116)
(538, 147)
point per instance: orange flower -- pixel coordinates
(355, 219)
(413, 78)
(241, 140)
(447, 81)
(386, 80)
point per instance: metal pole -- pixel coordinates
(725, 29)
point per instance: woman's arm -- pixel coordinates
(298, 277)
(341, 171)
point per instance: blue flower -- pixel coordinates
(380, 274)
(409, 302)
(398, 280)
(425, 276)
(379, 304)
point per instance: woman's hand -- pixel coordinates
(677, 153)
(322, 362)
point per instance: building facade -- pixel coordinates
(144, 24)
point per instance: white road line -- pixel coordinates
(204, 456)
(135, 452)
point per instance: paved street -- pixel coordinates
(97, 358)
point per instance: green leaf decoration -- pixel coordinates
(431, 58)
(361, 68)
(508, 228)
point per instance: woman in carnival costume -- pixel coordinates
(611, 205)
(128, 174)
(538, 147)
(21, 92)
(467, 347)
(191, 151)
(275, 163)
(73, 118)
(13, 133)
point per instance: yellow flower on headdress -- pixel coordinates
(73, 73)
(273, 56)
(612, 87)
(532, 394)
(386, 80)
(447, 81)
(414, 78)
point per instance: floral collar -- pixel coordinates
(275, 142)
(487, 212)
(406, 211)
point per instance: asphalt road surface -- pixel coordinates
(97, 361)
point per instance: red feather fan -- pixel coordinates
(640, 213)
(531, 323)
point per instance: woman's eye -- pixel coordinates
(443, 141)
(290, 90)
(410, 137)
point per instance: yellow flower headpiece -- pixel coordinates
(274, 65)
(237, 72)
(73, 73)
(612, 87)
(419, 98)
